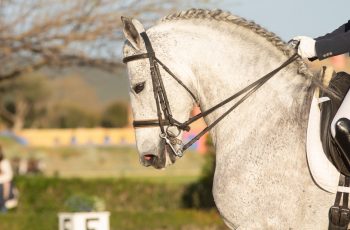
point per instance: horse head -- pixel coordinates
(159, 104)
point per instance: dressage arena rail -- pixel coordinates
(88, 137)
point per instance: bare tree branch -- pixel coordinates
(41, 33)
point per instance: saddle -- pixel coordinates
(334, 147)
(328, 145)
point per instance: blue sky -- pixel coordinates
(288, 18)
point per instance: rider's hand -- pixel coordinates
(306, 48)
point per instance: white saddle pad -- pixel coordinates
(322, 170)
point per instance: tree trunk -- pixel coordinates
(20, 115)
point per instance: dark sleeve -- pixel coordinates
(340, 30)
(335, 43)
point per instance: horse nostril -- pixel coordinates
(149, 157)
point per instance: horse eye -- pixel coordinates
(139, 87)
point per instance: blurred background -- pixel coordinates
(65, 120)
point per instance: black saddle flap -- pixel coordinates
(339, 84)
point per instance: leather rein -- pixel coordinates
(165, 118)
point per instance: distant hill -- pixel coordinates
(108, 86)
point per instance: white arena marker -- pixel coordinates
(83, 221)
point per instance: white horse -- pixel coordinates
(261, 179)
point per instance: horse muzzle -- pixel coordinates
(155, 157)
(158, 159)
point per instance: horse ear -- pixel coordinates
(132, 29)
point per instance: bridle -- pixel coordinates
(165, 118)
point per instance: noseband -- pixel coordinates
(165, 119)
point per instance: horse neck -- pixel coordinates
(219, 61)
(235, 61)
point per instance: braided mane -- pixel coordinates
(220, 15)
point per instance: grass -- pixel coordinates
(177, 219)
(146, 220)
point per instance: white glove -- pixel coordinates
(306, 47)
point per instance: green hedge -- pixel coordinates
(134, 204)
(41, 194)
(146, 220)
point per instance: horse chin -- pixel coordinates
(165, 157)
(160, 161)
